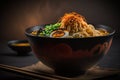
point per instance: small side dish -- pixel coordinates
(22, 47)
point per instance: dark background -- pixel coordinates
(17, 15)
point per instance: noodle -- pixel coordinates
(73, 25)
(77, 26)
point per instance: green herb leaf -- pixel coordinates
(49, 29)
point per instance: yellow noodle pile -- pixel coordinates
(78, 27)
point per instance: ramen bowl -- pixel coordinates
(70, 56)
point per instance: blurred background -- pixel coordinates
(17, 15)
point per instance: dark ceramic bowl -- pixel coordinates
(22, 47)
(70, 56)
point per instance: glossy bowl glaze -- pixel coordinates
(70, 56)
(22, 47)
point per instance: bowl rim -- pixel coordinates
(96, 26)
(16, 41)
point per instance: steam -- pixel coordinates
(23, 15)
(19, 15)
